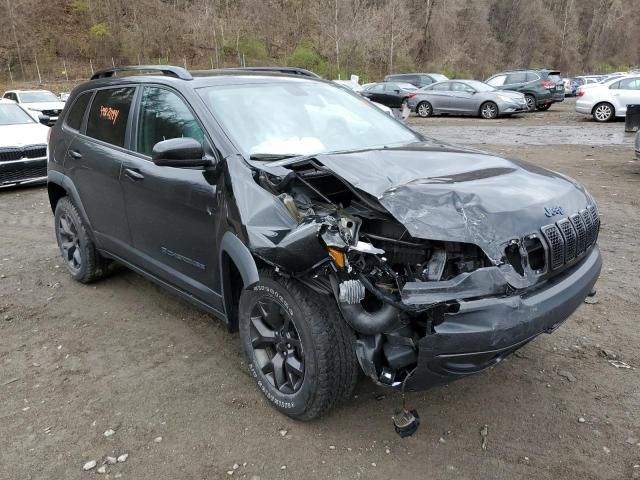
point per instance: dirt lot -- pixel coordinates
(125, 355)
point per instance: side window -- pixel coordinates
(109, 114)
(532, 76)
(390, 87)
(377, 88)
(76, 114)
(163, 115)
(497, 81)
(459, 87)
(442, 87)
(518, 77)
(629, 84)
(614, 86)
(425, 80)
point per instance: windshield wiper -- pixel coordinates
(266, 157)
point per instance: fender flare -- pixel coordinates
(61, 180)
(240, 256)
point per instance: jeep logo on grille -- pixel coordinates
(553, 211)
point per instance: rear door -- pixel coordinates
(375, 93)
(516, 81)
(626, 93)
(93, 161)
(171, 211)
(439, 96)
(392, 95)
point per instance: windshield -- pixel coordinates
(301, 118)
(13, 115)
(479, 86)
(38, 97)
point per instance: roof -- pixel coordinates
(27, 91)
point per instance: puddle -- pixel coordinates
(590, 134)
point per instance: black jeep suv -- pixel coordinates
(329, 234)
(541, 88)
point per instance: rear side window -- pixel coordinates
(163, 115)
(76, 114)
(109, 114)
(532, 76)
(518, 77)
(443, 87)
(425, 80)
(497, 81)
(629, 84)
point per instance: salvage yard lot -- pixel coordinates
(123, 354)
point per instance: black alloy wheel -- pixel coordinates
(276, 345)
(69, 243)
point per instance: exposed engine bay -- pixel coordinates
(393, 287)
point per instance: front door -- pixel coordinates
(171, 211)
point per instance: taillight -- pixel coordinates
(411, 95)
(548, 84)
(580, 92)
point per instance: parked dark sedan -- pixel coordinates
(391, 94)
(466, 97)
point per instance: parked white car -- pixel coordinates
(42, 105)
(23, 146)
(638, 145)
(610, 99)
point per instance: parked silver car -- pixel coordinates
(638, 145)
(466, 97)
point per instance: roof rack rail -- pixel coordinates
(166, 70)
(295, 71)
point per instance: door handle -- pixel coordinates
(134, 174)
(75, 154)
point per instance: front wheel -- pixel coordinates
(299, 349)
(489, 110)
(424, 109)
(603, 112)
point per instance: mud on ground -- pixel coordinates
(123, 354)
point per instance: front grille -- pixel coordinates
(51, 113)
(570, 237)
(17, 153)
(15, 176)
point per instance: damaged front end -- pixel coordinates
(427, 304)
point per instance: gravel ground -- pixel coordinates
(172, 386)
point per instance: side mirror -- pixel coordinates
(397, 91)
(182, 152)
(43, 119)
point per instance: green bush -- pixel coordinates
(99, 30)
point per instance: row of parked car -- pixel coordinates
(504, 93)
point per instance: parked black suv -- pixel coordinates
(327, 232)
(541, 88)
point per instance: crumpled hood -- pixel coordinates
(445, 193)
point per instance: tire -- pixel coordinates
(603, 112)
(489, 110)
(316, 354)
(79, 253)
(424, 109)
(531, 102)
(544, 107)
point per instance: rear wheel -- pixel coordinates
(424, 109)
(79, 254)
(488, 110)
(544, 107)
(299, 349)
(603, 112)
(531, 102)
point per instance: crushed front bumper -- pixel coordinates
(485, 331)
